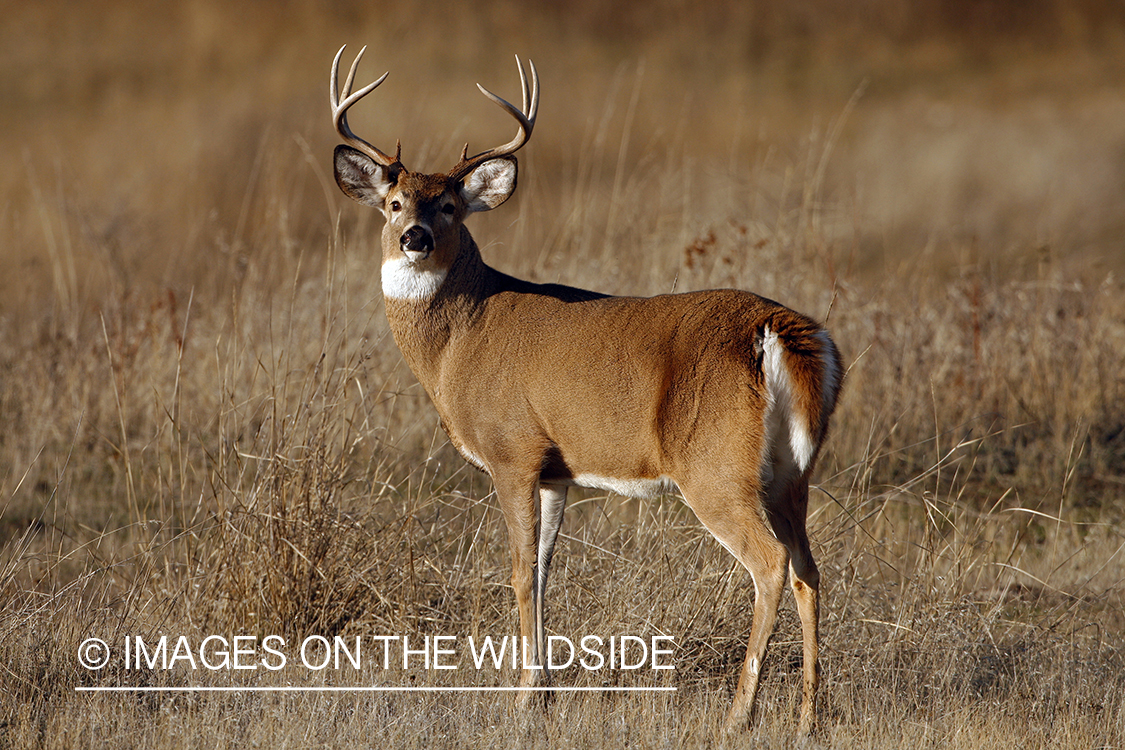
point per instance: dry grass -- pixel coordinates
(208, 428)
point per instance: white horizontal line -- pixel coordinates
(371, 689)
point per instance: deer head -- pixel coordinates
(425, 212)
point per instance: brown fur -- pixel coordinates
(545, 385)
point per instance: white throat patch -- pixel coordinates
(404, 280)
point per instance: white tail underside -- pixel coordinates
(783, 418)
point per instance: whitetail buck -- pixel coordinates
(721, 394)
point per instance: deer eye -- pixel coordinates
(448, 209)
(396, 206)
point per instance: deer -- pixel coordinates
(722, 396)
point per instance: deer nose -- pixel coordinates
(417, 239)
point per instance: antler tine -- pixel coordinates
(340, 108)
(534, 93)
(525, 116)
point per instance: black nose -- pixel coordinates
(417, 239)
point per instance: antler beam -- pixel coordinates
(525, 116)
(340, 109)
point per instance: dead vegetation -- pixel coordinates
(209, 431)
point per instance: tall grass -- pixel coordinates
(208, 428)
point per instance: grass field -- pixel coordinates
(209, 431)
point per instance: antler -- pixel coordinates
(524, 116)
(340, 110)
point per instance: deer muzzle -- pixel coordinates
(417, 239)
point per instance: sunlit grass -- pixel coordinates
(208, 428)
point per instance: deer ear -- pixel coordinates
(361, 178)
(490, 184)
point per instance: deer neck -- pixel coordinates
(442, 304)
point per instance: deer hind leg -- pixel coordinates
(552, 502)
(739, 527)
(766, 563)
(787, 517)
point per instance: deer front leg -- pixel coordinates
(517, 502)
(552, 502)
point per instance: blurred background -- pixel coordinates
(946, 179)
(141, 141)
(207, 424)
